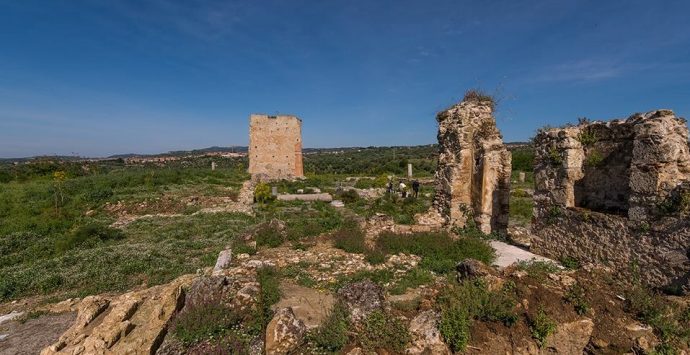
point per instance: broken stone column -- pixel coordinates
(521, 177)
(474, 166)
(409, 170)
(213, 165)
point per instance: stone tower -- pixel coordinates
(275, 146)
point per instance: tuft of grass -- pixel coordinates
(206, 320)
(332, 334)
(570, 263)
(541, 326)
(412, 279)
(462, 303)
(269, 294)
(455, 328)
(670, 325)
(350, 238)
(268, 235)
(477, 95)
(539, 270)
(382, 331)
(576, 296)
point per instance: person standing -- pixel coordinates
(403, 189)
(415, 188)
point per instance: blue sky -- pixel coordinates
(96, 78)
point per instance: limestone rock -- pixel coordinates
(223, 261)
(474, 167)
(426, 338)
(362, 298)
(284, 332)
(135, 322)
(520, 236)
(571, 338)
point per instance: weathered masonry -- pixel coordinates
(473, 173)
(275, 146)
(617, 193)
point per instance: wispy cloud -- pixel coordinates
(585, 70)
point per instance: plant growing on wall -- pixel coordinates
(594, 158)
(555, 157)
(587, 137)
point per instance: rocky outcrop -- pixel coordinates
(426, 338)
(361, 299)
(612, 193)
(133, 323)
(474, 166)
(284, 332)
(570, 338)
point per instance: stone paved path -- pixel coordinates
(507, 254)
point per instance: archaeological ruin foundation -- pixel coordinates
(473, 173)
(275, 146)
(617, 193)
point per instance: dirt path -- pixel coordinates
(34, 334)
(507, 254)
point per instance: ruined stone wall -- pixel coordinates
(612, 193)
(275, 146)
(473, 173)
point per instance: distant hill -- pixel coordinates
(215, 149)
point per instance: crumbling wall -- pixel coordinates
(612, 193)
(275, 146)
(473, 173)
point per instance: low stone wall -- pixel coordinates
(306, 197)
(655, 252)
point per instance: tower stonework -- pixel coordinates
(275, 146)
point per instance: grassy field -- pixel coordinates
(55, 217)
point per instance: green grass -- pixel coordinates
(541, 326)
(670, 324)
(401, 210)
(440, 253)
(521, 209)
(537, 269)
(412, 279)
(153, 251)
(462, 303)
(382, 331)
(332, 334)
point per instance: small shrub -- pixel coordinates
(587, 138)
(570, 263)
(267, 235)
(348, 196)
(331, 335)
(375, 257)
(88, 235)
(554, 213)
(262, 193)
(455, 328)
(576, 296)
(461, 303)
(594, 159)
(350, 238)
(555, 157)
(541, 326)
(382, 331)
(477, 95)
(203, 321)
